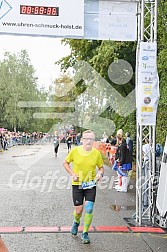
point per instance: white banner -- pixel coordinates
(147, 95)
(42, 18)
(112, 20)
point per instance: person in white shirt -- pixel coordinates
(146, 148)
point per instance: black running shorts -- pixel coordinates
(79, 195)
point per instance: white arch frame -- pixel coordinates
(146, 9)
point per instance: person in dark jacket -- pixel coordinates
(123, 163)
(123, 154)
(129, 142)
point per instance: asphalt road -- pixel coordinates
(35, 191)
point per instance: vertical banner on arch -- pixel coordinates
(147, 95)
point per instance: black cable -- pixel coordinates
(146, 243)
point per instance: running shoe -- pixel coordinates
(74, 228)
(85, 238)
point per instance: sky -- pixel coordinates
(42, 51)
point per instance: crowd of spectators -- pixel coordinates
(10, 138)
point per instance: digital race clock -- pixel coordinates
(39, 10)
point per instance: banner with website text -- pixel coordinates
(60, 18)
(88, 19)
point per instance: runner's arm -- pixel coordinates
(70, 171)
(100, 173)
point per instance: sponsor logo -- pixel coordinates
(146, 109)
(147, 90)
(145, 58)
(148, 50)
(146, 66)
(147, 100)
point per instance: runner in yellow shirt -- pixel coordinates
(85, 160)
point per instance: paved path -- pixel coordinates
(35, 192)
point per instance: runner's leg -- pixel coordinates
(88, 215)
(78, 197)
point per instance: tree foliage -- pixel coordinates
(100, 54)
(18, 83)
(161, 128)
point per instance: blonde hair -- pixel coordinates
(88, 132)
(120, 133)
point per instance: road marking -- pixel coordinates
(92, 229)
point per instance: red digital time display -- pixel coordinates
(39, 10)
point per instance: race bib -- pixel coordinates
(88, 185)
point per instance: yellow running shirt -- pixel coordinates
(84, 163)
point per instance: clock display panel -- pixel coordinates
(39, 10)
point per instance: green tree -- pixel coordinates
(161, 128)
(17, 83)
(100, 54)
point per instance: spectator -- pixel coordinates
(129, 142)
(113, 140)
(146, 148)
(78, 139)
(123, 163)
